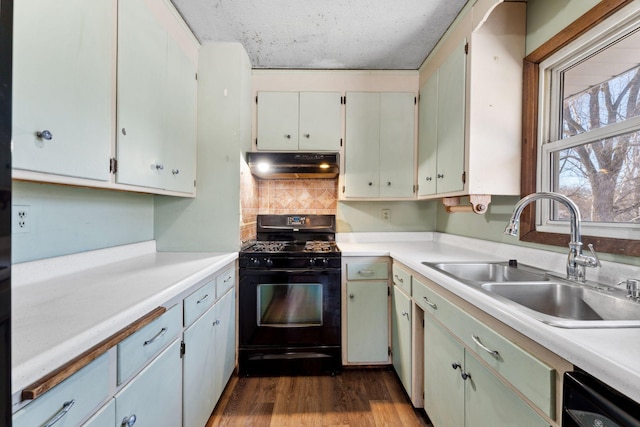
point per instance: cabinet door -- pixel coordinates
(401, 337)
(225, 342)
(320, 121)
(451, 121)
(397, 113)
(142, 74)
(443, 386)
(362, 145)
(199, 369)
(105, 417)
(277, 127)
(428, 136)
(367, 322)
(488, 402)
(180, 124)
(63, 58)
(153, 396)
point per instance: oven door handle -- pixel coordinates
(290, 271)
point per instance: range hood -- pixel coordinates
(293, 165)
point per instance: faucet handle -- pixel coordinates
(594, 261)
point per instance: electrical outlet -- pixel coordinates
(386, 215)
(20, 219)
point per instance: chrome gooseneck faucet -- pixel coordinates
(576, 261)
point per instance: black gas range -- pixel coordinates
(289, 297)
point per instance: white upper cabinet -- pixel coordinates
(379, 146)
(157, 95)
(471, 103)
(63, 56)
(299, 121)
(442, 126)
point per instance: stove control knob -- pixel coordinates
(312, 262)
(255, 262)
(269, 262)
(325, 262)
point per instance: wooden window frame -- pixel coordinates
(529, 171)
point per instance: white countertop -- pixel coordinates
(62, 307)
(612, 355)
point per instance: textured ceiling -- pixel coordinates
(331, 34)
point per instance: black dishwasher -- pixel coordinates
(587, 402)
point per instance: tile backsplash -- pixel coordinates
(283, 196)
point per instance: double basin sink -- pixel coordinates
(545, 297)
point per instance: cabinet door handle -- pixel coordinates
(129, 421)
(463, 374)
(202, 299)
(158, 335)
(371, 183)
(494, 353)
(389, 183)
(404, 313)
(216, 322)
(288, 136)
(440, 175)
(159, 166)
(428, 178)
(366, 273)
(175, 171)
(45, 134)
(431, 304)
(351, 296)
(61, 413)
(400, 279)
(306, 135)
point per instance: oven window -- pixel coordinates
(290, 304)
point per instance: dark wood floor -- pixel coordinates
(352, 398)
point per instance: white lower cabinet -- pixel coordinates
(461, 392)
(367, 322)
(70, 402)
(401, 336)
(208, 361)
(152, 398)
(104, 417)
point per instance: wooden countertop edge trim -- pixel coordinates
(54, 378)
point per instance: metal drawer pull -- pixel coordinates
(61, 413)
(216, 322)
(432, 304)
(129, 421)
(400, 279)
(175, 171)
(158, 335)
(463, 374)
(494, 353)
(227, 279)
(366, 273)
(45, 134)
(202, 299)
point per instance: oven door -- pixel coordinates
(288, 309)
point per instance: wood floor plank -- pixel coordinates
(355, 397)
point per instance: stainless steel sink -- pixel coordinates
(546, 297)
(570, 305)
(483, 272)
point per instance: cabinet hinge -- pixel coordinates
(417, 187)
(464, 177)
(256, 99)
(183, 349)
(415, 100)
(414, 189)
(388, 291)
(419, 95)
(466, 48)
(344, 100)
(422, 323)
(196, 76)
(194, 183)
(113, 165)
(343, 188)
(340, 142)
(389, 351)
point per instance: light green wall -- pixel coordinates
(211, 221)
(367, 216)
(67, 220)
(545, 18)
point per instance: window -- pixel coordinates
(582, 130)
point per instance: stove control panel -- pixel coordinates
(296, 220)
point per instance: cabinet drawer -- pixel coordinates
(140, 347)
(198, 302)
(367, 270)
(532, 377)
(225, 281)
(72, 401)
(431, 302)
(402, 279)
